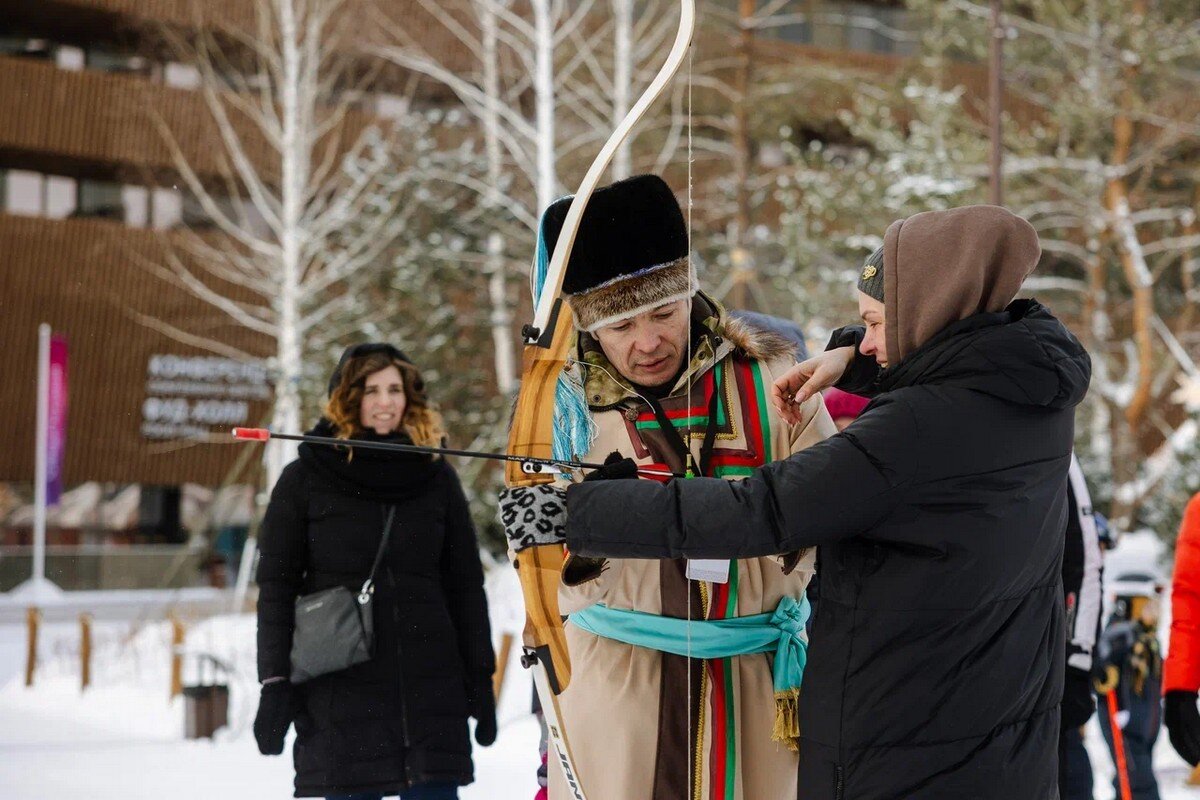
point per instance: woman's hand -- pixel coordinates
(807, 378)
(276, 711)
(482, 707)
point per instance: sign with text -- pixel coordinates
(191, 397)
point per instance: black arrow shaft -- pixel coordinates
(446, 451)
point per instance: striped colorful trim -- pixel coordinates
(757, 419)
(695, 416)
(724, 755)
(731, 753)
(764, 417)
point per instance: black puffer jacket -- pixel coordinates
(937, 657)
(400, 718)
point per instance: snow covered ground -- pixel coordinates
(122, 739)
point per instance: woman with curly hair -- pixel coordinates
(398, 722)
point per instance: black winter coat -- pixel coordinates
(400, 718)
(937, 657)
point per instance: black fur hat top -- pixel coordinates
(631, 229)
(630, 226)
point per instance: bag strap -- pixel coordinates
(369, 585)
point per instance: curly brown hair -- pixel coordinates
(421, 421)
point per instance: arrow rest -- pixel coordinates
(534, 468)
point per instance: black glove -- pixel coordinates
(1078, 703)
(534, 515)
(1183, 724)
(276, 710)
(615, 467)
(482, 707)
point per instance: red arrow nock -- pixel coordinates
(252, 434)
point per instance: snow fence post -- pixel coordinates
(33, 619)
(177, 636)
(501, 665)
(85, 651)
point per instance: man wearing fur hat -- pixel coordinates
(669, 380)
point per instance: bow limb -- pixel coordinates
(566, 238)
(548, 343)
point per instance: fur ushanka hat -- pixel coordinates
(630, 255)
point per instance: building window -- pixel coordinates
(23, 193)
(860, 26)
(183, 76)
(193, 214)
(24, 47)
(60, 196)
(166, 208)
(104, 59)
(100, 199)
(136, 201)
(70, 58)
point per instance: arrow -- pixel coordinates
(529, 464)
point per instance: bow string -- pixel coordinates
(548, 341)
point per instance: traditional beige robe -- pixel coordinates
(644, 726)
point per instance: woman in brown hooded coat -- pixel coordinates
(936, 664)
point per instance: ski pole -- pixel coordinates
(1118, 746)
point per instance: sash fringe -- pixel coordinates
(787, 719)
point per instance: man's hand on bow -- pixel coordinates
(534, 515)
(616, 467)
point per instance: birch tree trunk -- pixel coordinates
(294, 178)
(309, 195)
(622, 82)
(547, 176)
(742, 255)
(501, 317)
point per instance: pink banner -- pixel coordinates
(56, 441)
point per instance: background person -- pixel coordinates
(1181, 677)
(1083, 597)
(396, 723)
(1129, 681)
(843, 406)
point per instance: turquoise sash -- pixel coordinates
(780, 632)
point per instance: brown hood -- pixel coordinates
(943, 266)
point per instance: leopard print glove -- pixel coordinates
(534, 515)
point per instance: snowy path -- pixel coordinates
(80, 763)
(122, 739)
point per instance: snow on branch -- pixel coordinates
(1159, 464)
(1123, 224)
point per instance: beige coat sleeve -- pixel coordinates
(815, 425)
